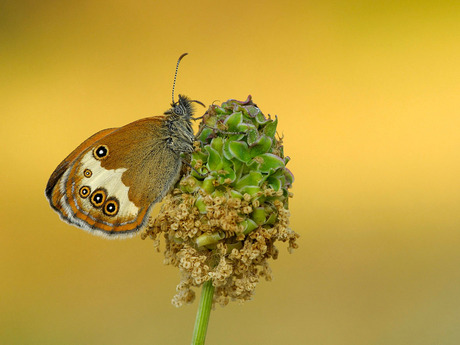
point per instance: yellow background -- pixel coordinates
(367, 94)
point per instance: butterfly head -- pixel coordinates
(183, 107)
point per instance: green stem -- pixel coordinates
(203, 313)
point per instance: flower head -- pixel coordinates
(224, 216)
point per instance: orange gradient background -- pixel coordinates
(367, 95)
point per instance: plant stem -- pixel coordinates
(203, 313)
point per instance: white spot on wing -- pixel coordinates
(110, 180)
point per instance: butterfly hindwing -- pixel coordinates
(61, 169)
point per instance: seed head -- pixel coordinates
(223, 218)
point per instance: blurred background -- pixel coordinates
(367, 95)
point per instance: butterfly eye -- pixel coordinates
(111, 207)
(179, 110)
(85, 191)
(87, 173)
(98, 197)
(100, 152)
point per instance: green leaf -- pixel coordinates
(226, 150)
(217, 143)
(286, 160)
(261, 119)
(248, 226)
(214, 160)
(229, 172)
(277, 173)
(274, 182)
(200, 204)
(207, 238)
(261, 199)
(235, 137)
(252, 110)
(268, 162)
(272, 219)
(235, 194)
(205, 135)
(259, 215)
(289, 176)
(239, 150)
(235, 106)
(282, 178)
(217, 193)
(191, 185)
(253, 135)
(244, 127)
(251, 190)
(233, 121)
(270, 128)
(222, 110)
(254, 178)
(199, 173)
(262, 145)
(202, 155)
(208, 184)
(251, 166)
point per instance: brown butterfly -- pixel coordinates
(109, 184)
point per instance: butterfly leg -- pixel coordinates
(193, 168)
(223, 131)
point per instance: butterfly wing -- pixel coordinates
(109, 184)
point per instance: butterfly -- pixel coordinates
(110, 182)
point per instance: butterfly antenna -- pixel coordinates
(175, 75)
